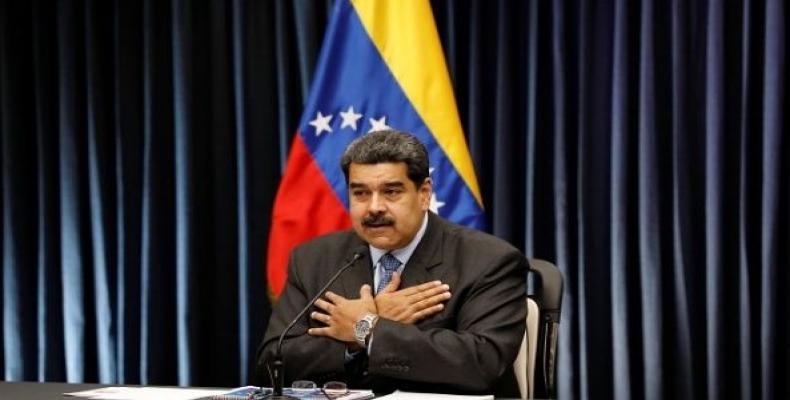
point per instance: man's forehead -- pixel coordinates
(383, 164)
(381, 174)
(387, 169)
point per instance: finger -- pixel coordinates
(431, 301)
(324, 305)
(334, 298)
(427, 312)
(421, 287)
(425, 294)
(320, 317)
(327, 331)
(365, 292)
(439, 298)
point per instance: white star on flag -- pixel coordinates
(321, 123)
(435, 204)
(350, 118)
(378, 124)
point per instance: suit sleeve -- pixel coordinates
(490, 326)
(308, 357)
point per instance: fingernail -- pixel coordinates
(437, 282)
(441, 306)
(446, 287)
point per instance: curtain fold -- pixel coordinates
(774, 217)
(649, 216)
(679, 300)
(640, 146)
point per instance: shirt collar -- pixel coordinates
(404, 253)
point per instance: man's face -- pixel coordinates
(386, 206)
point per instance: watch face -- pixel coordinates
(362, 327)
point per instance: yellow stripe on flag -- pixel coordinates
(405, 35)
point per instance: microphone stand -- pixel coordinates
(277, 364)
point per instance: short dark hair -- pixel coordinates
(388, 146)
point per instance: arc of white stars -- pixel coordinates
(350, 118)
(321, 123)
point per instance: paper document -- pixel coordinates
(253, 392)
(146, 393)
(398, 395)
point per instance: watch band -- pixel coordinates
(363, 327)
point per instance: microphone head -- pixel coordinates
(360, 251)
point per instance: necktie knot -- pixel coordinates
(389, 262)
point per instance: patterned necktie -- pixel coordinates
(390, 264)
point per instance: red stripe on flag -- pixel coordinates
(305, 207)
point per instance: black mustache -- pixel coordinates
(377, 220)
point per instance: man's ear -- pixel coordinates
(426, 189)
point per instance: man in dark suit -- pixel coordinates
(449, 309)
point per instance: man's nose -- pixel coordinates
(377, 203)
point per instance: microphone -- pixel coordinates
(277, 364)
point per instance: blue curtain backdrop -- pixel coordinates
(639, 145)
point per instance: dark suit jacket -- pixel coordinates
(468, 347)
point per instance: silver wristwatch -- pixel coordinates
(363, 327)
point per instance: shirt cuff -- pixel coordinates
(370, 343)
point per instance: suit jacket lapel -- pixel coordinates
(426, 256)
(358, 275)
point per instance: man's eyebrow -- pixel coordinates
(389, 185)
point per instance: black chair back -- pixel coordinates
(548, 295)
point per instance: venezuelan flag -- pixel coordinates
(381, 66)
